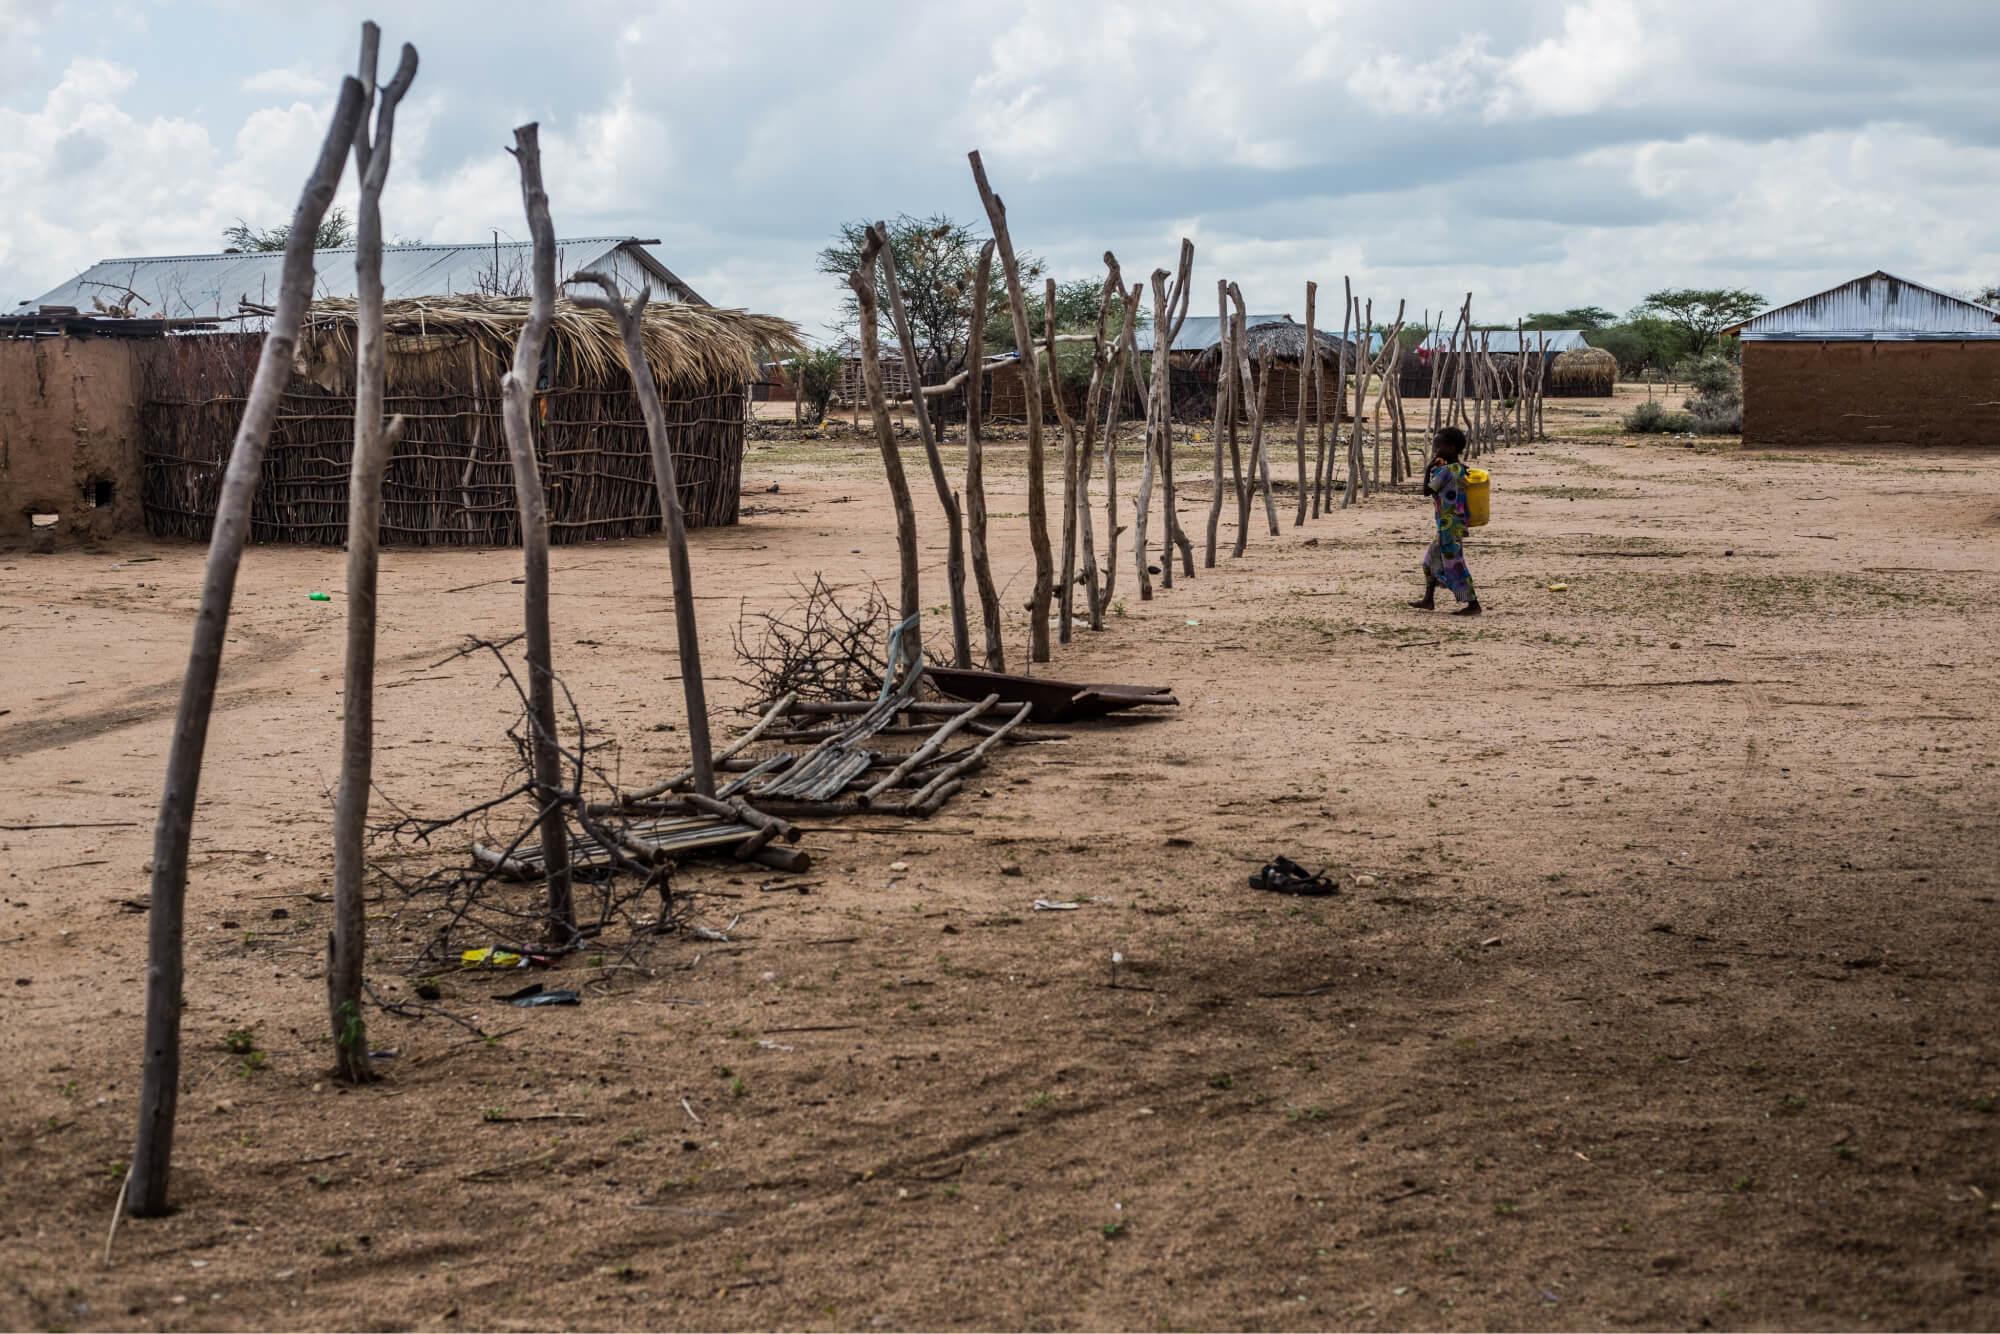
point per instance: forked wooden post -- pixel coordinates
(975, 465)
(159, 1086)
(910, 602)
(347, 946)
(517, 393)
(954, 555)
(630, 318)
(1024, 339)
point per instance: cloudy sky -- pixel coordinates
(1538, 154)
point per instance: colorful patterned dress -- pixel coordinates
(1445, 560)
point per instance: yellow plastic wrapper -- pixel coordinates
(490, 958)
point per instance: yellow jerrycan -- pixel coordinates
(1478, 497)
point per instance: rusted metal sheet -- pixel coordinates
(1053, 701)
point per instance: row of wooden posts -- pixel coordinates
(145, 1191)
(363, 125)
(1494, 402)
(1242, 391)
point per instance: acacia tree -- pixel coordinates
(935, 258)
(335, 231)
(1576, 317)
(1700, 313)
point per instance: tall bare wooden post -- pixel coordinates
(1309, 359)
(1113, 416)
(910, 601)
(159, 1085)
(630, 318)
(374, 439)
(1224, 405)
(1176, 300)
(1066, 584)
(975, 464)
(954, 555)
(517, 393)
(1024, 339)
(1106, 357)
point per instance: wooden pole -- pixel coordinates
(910, 604)
(1038, 500)
(1311, 358)
(1177, 301)
(1113, 417)
(687, 635)
(1347, 358)
(1253, 402)
(1319, 429)
(1066, 596)
(517, 391)
(1224, 406)
(1104, 355)
(975, 465)
(159, 1089)
(347, 945)
(954, 554)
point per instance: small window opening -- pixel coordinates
(102, 491)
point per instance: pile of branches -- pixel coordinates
(619, 904)
(818, 648)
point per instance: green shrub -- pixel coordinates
(816, 375)
(1652, 418)
(1717, 405)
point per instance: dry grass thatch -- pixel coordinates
(449, 482)
(1282, 342)
(1585, 370)
(689, 346)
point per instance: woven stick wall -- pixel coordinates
(449, 483)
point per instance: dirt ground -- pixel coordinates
(1660, 992)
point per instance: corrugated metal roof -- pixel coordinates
(1199, 333)
(1877, 306)
(1504, 340)
(179, 286)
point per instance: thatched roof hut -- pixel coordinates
(449, 481)
(1284, 341)
(1585, 372)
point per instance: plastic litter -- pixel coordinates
(531, 996)
(319, 597)
(1047, 905)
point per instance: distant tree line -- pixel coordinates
(1675, 327)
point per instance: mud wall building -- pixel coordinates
(69, 422)
(1880, 360)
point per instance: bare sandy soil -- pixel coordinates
(1661, 991)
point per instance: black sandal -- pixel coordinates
(1285, 876)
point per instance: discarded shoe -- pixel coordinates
(1285, 876)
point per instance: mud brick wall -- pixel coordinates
(69, 438)
(1887, 393)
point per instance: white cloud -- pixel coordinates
(291, 81)
(1541, 154)
(1602, 47)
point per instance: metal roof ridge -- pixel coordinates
(348, 249)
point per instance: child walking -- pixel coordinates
(1444, 562)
